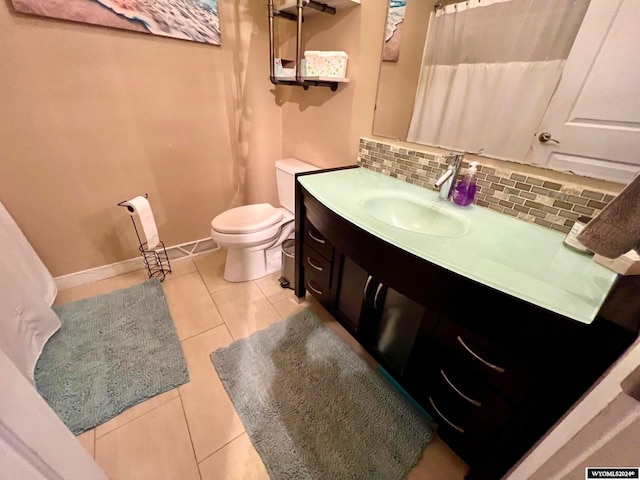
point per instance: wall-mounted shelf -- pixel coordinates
(296, 10)
(291, 6)
(312, 82)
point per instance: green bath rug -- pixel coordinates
(314, 409)
(112, 352)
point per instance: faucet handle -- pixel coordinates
(454, 158)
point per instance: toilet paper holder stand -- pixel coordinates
(157, 260)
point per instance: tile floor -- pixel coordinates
(193, 432)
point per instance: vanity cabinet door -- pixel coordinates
(395, 320)
(351, 289)
(383, 320)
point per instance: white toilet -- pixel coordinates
(253, 234)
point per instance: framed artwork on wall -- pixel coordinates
(395, 17)
(194, 20)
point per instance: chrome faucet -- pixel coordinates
(446, 181)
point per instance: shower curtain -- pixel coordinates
(489, 70)
(27, 291)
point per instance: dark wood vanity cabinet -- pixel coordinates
(494, 372)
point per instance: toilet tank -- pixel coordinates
(286, 170)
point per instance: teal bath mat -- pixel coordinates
(112, 352)
(314, 409)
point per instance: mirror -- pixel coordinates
(398, 79)
(544, 82)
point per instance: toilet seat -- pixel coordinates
(249, 225)
(247, 219)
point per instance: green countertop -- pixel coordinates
(525, 260)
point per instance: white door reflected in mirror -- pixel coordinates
(595, 112)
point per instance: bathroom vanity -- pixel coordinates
(491, 324)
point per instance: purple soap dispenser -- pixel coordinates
(465, 191)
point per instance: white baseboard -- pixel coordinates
(175, 252)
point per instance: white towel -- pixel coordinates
(142, 209)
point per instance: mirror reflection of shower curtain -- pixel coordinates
(489, 70)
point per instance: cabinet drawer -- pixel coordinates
(472, 352)
(317, 273)
(469, 415)
(462, 403)
(316, 240)
(313, 261)
(476, 404)
(316, 265)
(316, 288)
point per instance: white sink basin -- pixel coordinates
(409, 213)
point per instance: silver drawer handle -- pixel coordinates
(479, 358)
(317, 267)
(366, 285)
(457, 390)
(313, 289)
(451, 424)
(319, 240)
(375, 298)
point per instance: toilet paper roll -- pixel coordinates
(142, 209)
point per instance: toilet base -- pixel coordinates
(244, 264)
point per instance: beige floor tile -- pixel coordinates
(270, 287)
(136, 411)
(289, 306)
(181, 266)
(236, 461)
(74, 294)
(121, 281)
(239, 460)
(191, 305)
(101, 286)
(211, 267)
(212, 419)
(245, 309)
(87, 439)
(153, 446)
(438, 462)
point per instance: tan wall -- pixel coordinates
(399, 80)
(90, 116)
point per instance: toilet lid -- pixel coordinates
(247, 219)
